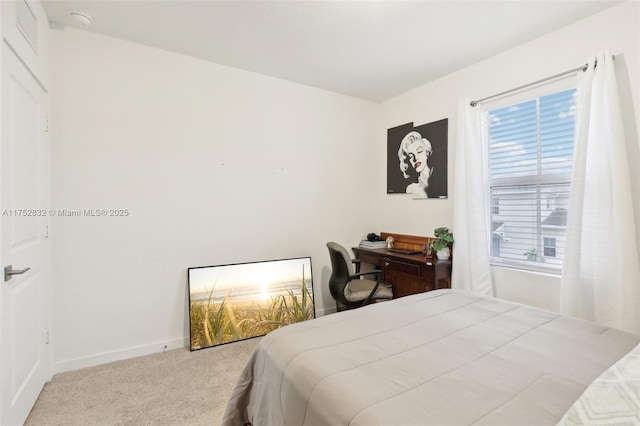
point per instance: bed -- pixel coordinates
(444, 357)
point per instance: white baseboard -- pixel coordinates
(325, 311)
(119, 355)
(104, 358)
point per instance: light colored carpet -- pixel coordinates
(177, 387)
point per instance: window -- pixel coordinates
(495, 206)
(495, 245)
(530, 162)
(549, 247)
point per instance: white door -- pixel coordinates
(25, 363)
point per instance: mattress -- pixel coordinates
(445, 357)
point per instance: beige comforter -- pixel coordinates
(613, 398)
(437, 358)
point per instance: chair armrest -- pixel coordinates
(376, 272)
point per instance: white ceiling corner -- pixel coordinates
(372, 50)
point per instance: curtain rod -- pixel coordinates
(583, 68)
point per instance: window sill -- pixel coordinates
(526, 268)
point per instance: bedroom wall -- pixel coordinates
(218, 165)
(615, 28)
(215, 166)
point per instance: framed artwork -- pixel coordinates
(234, 302)
(417, 160)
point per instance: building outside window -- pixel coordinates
(530, 147)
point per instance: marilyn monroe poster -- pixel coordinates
(417, 160)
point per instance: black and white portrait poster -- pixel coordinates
(417, 160)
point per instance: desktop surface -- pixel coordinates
(404, 251)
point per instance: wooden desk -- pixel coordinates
(407, 273)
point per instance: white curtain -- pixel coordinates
(471, 251)
(601, 272)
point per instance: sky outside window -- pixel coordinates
(518, 149)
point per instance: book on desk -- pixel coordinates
(373, 244)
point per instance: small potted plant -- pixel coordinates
(441, 243)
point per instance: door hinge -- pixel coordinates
(46, 125)
(46, 342)
(46, 231)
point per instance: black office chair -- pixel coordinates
(347, 287)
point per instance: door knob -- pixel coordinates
(9, 272)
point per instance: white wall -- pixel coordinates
(218, 165)
(215, 165)
(615, 28)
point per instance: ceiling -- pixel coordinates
(372, 50)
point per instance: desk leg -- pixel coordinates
(442, 273)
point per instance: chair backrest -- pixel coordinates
(341, 270)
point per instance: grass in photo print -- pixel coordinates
(228, 303)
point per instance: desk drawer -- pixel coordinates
(396, 265)
(408, 274)
(373, 260)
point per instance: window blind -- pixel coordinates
(530, 163)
